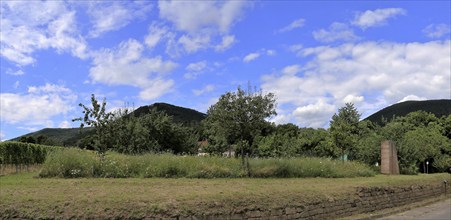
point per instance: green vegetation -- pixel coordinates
(237, 119)
(238, 124)
(74, 163)
(23, 154)
(180, 115)
(344, 128)
(56, 136)
(26, 197)
(130, 134)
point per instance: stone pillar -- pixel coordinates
(389, 158)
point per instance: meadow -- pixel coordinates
(75, 183)
(76, 163)
(26, 196)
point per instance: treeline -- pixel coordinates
(420, 137)
(238, 122)
(23, 154)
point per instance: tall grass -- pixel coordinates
(73, 163)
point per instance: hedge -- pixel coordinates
(18, 153)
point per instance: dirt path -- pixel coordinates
(436, 211)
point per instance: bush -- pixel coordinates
(307, 167)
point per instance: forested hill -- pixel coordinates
(439, 108)
(70, 136)
(58, 136)
(179, 114)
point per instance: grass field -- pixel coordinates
(26, 196)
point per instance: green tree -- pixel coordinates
(238, 117)
(421, 145)
(97, 117)
(368, 145)
(344, 128)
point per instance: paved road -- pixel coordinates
(436, 211)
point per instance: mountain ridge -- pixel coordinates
(438, 107)
(70, 136)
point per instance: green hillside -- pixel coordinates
(70, 136)
(60, 136)
(437, 107)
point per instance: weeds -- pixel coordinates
(73, 163)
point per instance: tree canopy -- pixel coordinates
(238, 117)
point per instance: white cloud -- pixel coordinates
(351, 98)
(125, 65)
(377, 17)
(155, 35)
(206, 89)
(411, 98)
(2, 136)
(281, 118)
(227, 42)
(16, 84)
(203, 24)
(48, 88)
(156, 88)
(436, 30)
(192, 44)
(293, 25)
(315, 115)
(195, 69)
(337, 31)
(202, 16)
(370, 74)
(64, 124)
(42, 103)
(270, 52)
(296, 48)
(37, 25)
(250, 57)
(15, 73)
(110, 16)
(291, 70)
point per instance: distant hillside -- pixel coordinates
(437, 107)
(70, 136)
(179, 114)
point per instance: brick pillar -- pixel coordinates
(389, 158)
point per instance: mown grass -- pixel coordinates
(75, 163)
(25, 196)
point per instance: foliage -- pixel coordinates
(18, 153)
(238, 117)
(152, 132)
(420, 136)
(72, 163)
(344, 128)
(97, 117)
(125, 132)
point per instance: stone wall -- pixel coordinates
(365, 200)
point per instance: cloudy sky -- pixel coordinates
(315, 56)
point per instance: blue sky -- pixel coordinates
(314, 55)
